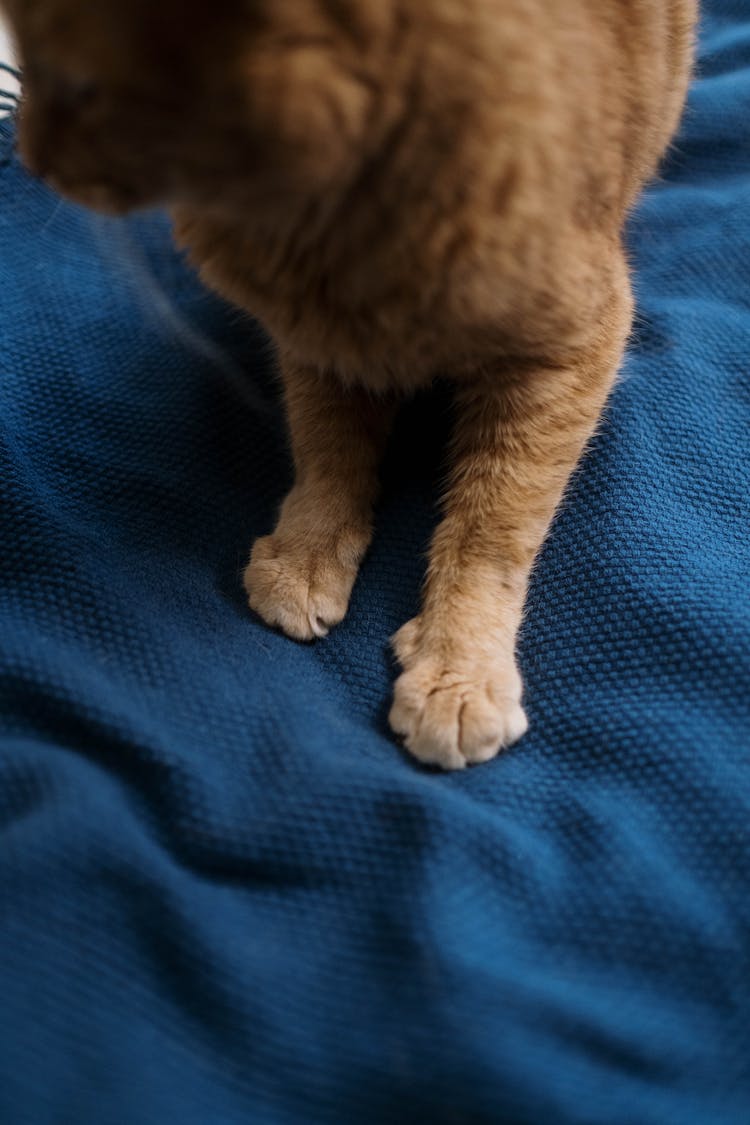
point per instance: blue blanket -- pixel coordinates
(226, 896)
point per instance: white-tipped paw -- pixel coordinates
(454, 713)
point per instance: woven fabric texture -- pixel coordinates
(226, 896)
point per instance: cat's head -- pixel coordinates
(217, 102)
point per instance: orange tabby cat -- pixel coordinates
(396, 189)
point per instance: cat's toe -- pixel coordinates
(406, 641)
(303, 593)
(452, 718)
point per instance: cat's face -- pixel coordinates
(217, 102)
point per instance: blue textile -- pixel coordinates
(226, 897)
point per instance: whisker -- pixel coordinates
(59, 202)
(155, 299)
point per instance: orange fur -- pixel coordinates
(397, 190)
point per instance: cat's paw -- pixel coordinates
(453, 713)
(304, 589)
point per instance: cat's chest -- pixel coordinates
(366, 325)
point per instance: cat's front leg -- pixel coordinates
(519, 435)
(300, 578)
